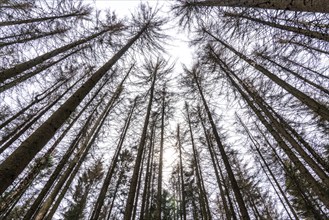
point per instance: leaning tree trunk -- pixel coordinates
(319, 87)
(34, 37)
(11, 137)
(234, 184)
(281, 127)
(60, 166)
(315, 106)
(203, 195)
(256, 144)
(136, 172)
(290, 5)
(20, 68)
(32, 20)
(221, 190)
(102, 194)
(308, 176)
(36, 169)
(38, 70)
(296, 30)
(148, 173)
(10, 169)
(75, 164)
(38, 98)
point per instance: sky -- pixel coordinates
(178, 51)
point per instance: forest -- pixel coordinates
(99, 121)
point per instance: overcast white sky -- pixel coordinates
(178, 48)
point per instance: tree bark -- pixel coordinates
(289, 5)
(234, 184)
(134, 179)
(102, 194)
(20, 68)
(296, 30)
(10, 169)
(315, 106)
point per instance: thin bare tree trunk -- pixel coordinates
(296, 30)
(41, 19)
(159, 193)
(256, 144)
(228, 213)
(234, 184)
(141, 146)
(290, 5)
(20, 68)
(101, 197)
(10, 169)
(315, 106)
(182, 182)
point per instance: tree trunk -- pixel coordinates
(256, 144)
(315, 106)
(75, 164)
(28, 75)
(20, 68)
(10, 169)
(32, 20)
(282, 128)
(60, 166)
(290, 5)
(203, 195)
(148, 174)
(7, 140)
(33, 37)
(102, 194)
(182, 182)
(315, 185)
(159, 193)
(221, 190)
(296, 30)
(35, 170)
(134, 178)
(38, 98)
(234, 184)
(319, 87)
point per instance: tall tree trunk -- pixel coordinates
(256, 146)
(38, 98)
(290, 5)
(319, 87)
(313, 182)
(11, 137)
(315, 106)
(41, 19)
(282, 128)
(10, 169)
(102, 194)
(60, 166)
(34, 37)
(28, 75)
(148, 173)
(297, 30)
(36, 169)
(234, 184)
(141, 146)
(159, 191)
(203, 195)
(20, 68)
(227, 211)
(75, 164)
(182, 182)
